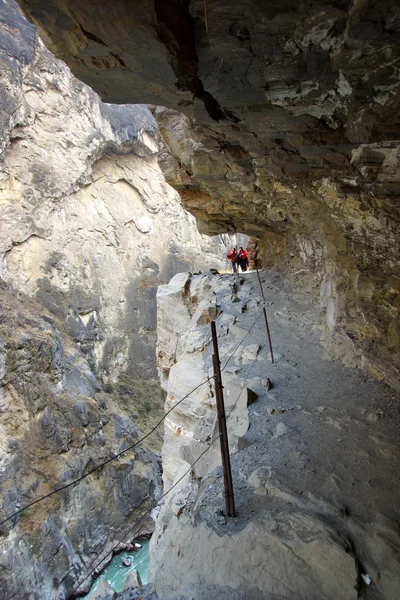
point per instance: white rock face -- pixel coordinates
(89, 226)
(185, 309)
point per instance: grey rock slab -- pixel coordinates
(281, 430)
(104, 591)
(132, 581)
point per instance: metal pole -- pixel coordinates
(265, 317)
(219, 397)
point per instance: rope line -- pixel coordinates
(64, 487)
(112, 458)
(94, 567)
(97, 562)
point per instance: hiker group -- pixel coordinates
(238, 259)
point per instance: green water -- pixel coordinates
(116, 573)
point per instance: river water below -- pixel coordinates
(116, 572)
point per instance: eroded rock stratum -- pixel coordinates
(89, 227)
(291, 133)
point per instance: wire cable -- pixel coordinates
(97, 562)
(112, 458)
(72, 483)
(114, 548)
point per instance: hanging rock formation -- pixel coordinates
(291, 134)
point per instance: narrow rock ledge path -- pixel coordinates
(317, 476)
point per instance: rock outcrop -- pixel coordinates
(89, 225)
(314, 458)
(290, 133)
(56, 424)
(185, 308)
(89, 228)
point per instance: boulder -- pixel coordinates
(132, 581)
(104, 591)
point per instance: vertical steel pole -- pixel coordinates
(219, 397)
(265, 317)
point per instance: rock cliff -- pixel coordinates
(314, 457)
(290, 133)
(89, 228)
(56, 423)
(89, 224)
(281, 121)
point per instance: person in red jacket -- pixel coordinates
(232, 256)
(243, 260)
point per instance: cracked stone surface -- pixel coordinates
(288, 129)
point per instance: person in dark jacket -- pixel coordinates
(243, 260)
(237, 259)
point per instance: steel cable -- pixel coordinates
(112, 458)
(72, 483)
(114, 548)
(97, 562)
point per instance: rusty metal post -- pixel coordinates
(265, 317)
(219, 397)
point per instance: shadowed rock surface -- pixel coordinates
(291, 134)
(56, 423)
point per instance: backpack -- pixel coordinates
(231, 254)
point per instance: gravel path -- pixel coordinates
(325, 438)
(339, 434)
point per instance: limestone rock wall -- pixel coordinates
(290, 134)
(89, 225)
(185, 308)
(89, 228)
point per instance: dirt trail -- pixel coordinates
(324, 441)
(344, 429)
(328, 435)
